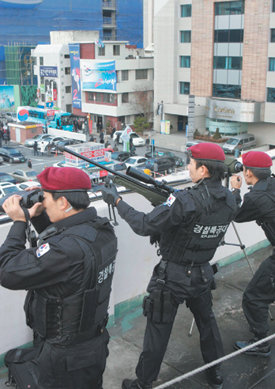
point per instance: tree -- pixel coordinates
(141, 124)
(144, 105)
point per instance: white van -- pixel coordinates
(240, 142)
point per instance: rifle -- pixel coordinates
(135, 180)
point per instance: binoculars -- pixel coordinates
(233, 166)
(28, 198)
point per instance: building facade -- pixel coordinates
(111, 81)
(214, 66)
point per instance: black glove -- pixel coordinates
(110, 194)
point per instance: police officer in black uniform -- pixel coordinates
(189, 227)
(258, 205)
(68, 278)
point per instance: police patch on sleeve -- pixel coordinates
(170, 200)
(43, 249)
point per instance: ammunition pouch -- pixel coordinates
(160, 306)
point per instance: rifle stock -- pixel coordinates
(153, 191)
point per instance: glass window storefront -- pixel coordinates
(228, 36)
(229, 8)
(234, 63)
(185, 36)
(184, 88)
(223, 90)
(186, 10)
(185, 61)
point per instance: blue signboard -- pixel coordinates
(75, 71)
(48, 71)
(98, 75)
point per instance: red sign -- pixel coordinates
(54, 94)
(93, 153)
(50, 112)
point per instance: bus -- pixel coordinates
(67, 121)
(35, 114)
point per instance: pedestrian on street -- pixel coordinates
(35, 148)
(29, 163)
(258, 205)
(188, 228)
(68, 278)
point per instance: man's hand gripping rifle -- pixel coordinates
(135, 180)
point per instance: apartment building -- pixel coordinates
(111, 81)
(214, 66)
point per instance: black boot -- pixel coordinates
(214, 377)
(134, 384)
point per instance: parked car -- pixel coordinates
(64, 142)
(119, 166)
(120, 155)
(11, 154)
(166, 154)
(5, 177)
(7, 188)
(240, 142)
(135, 161)
(158, 165)
(30, 141)
(27, 184)
(137, 140)
(24, 175)
(43, 144)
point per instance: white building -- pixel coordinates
(53, 67)
(72, 55)
(214, 63)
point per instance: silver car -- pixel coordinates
(30, 141)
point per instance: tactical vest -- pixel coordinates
(82, 315)
(266, 221)
(196, 242)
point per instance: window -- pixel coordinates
(101, 51)
(42, 80)
(34, 60)
(185, 61)
(116, 50)
(184, 88)
(227, 63)
(66, 55)
(270, 95)
(224, 90)
(41, 61)
(125, 98)
(124, 75)
(221, 36)
(186, 10)
(185, 36)
(68, 89)
(67, 70)
(272, 37)
(271, 66)
(273, 5)
(229, 8)
(108, 98)
(90, 96)
(141, 74)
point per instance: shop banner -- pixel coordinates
(98, 75)
(74, 50)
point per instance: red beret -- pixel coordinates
(64, 178)
(258, 159)
(209, 151)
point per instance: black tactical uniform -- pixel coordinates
(68, 278)
(259, 205)
(190, 226)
